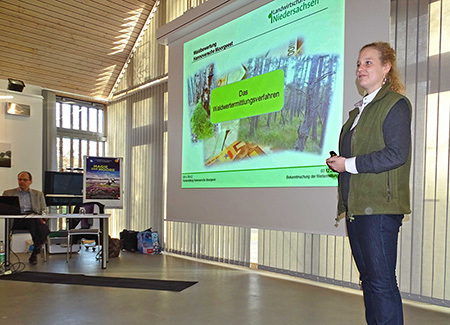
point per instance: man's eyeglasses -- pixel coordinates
(24, 179)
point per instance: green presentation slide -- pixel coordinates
(263, 96)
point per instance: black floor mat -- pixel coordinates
(100, 281)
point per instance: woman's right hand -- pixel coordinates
(336, 163)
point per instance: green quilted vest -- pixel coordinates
(386, 192)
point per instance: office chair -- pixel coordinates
(84, 226)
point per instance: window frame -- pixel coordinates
(72, 142)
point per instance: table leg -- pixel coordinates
(7, 244)
(105, 241)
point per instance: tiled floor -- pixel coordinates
(223, 295)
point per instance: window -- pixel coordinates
(80, 132)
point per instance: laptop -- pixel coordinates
(9, 205)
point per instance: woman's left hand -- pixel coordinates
(336, 163)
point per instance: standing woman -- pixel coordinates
(374, 166)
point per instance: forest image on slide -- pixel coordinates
(300, 125)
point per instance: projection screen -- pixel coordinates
(234, 63)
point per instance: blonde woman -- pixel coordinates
(374, 166)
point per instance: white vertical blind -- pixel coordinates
(420, 32)
(138, 137)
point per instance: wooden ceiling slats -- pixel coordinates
(132, 3)
(44, 70)
(69, 46)
(84, 74)
(36, 43)
(70, 59)
(78, 11)
(49, 73)
(94, 10)
(59, 25)
(80, 17)
(121, 5)
(62, 81)
(43, 39)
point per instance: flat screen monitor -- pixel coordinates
(9, 205)
(63, 188)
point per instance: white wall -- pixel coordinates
(25, 136)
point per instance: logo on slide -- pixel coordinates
(290, 9)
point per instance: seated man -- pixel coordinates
(31, 201)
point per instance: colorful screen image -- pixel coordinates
(262, 98)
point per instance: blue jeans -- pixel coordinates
(373, 240)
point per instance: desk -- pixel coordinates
(104, 218)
